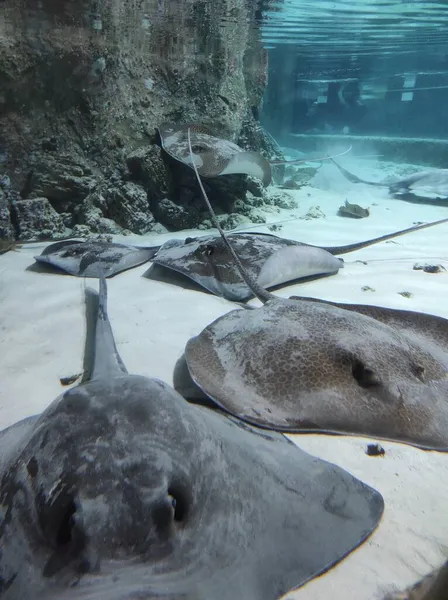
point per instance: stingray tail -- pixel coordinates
(106, 360)
(258, 291)
(355, 178)
(382, 238)
(310, 159)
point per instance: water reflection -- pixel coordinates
(394, 53)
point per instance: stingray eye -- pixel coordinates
(208, 250)
(419, 372)
(198, 149)
(365, 376)
(179, 502)
(170, 510)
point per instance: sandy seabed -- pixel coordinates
(42, 339)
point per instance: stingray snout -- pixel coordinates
(129, 520)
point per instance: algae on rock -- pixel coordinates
(83, 91)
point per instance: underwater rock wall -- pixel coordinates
(84, 85)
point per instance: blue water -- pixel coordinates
(371, 67)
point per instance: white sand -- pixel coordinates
(42, 336)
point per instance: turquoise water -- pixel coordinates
(370, 67)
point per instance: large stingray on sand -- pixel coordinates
(269, 260)
(433, 182)
(123, 490)
(306, 365)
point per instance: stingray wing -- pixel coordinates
(88, 259)
(250, 163)
(13, 439)
(428, 330)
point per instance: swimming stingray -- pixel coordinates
(121, 490)
(270, 260)
(90, 258)
(214, 156)
(432, 182)
(306, 365)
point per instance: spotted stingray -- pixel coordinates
(306, 365)
(269, 260)
(121, 489)
(214, 156)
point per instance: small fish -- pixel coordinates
(8, 245)
(353, 210)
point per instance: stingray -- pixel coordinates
(300, 365)
(214, 156)
(269, 260)
(434, 182)
(121, 489)
(90, 258)
(353, 210)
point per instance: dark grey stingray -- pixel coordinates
(90, 258)
(123, 490)
(423, 182)
(213, 156)
(306, 365)
(270, 260)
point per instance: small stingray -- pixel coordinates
(270, 260)
(121, 489)
(353, 210)
(90, 258)
(307, 365)
(214, 156)
(423, 182)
